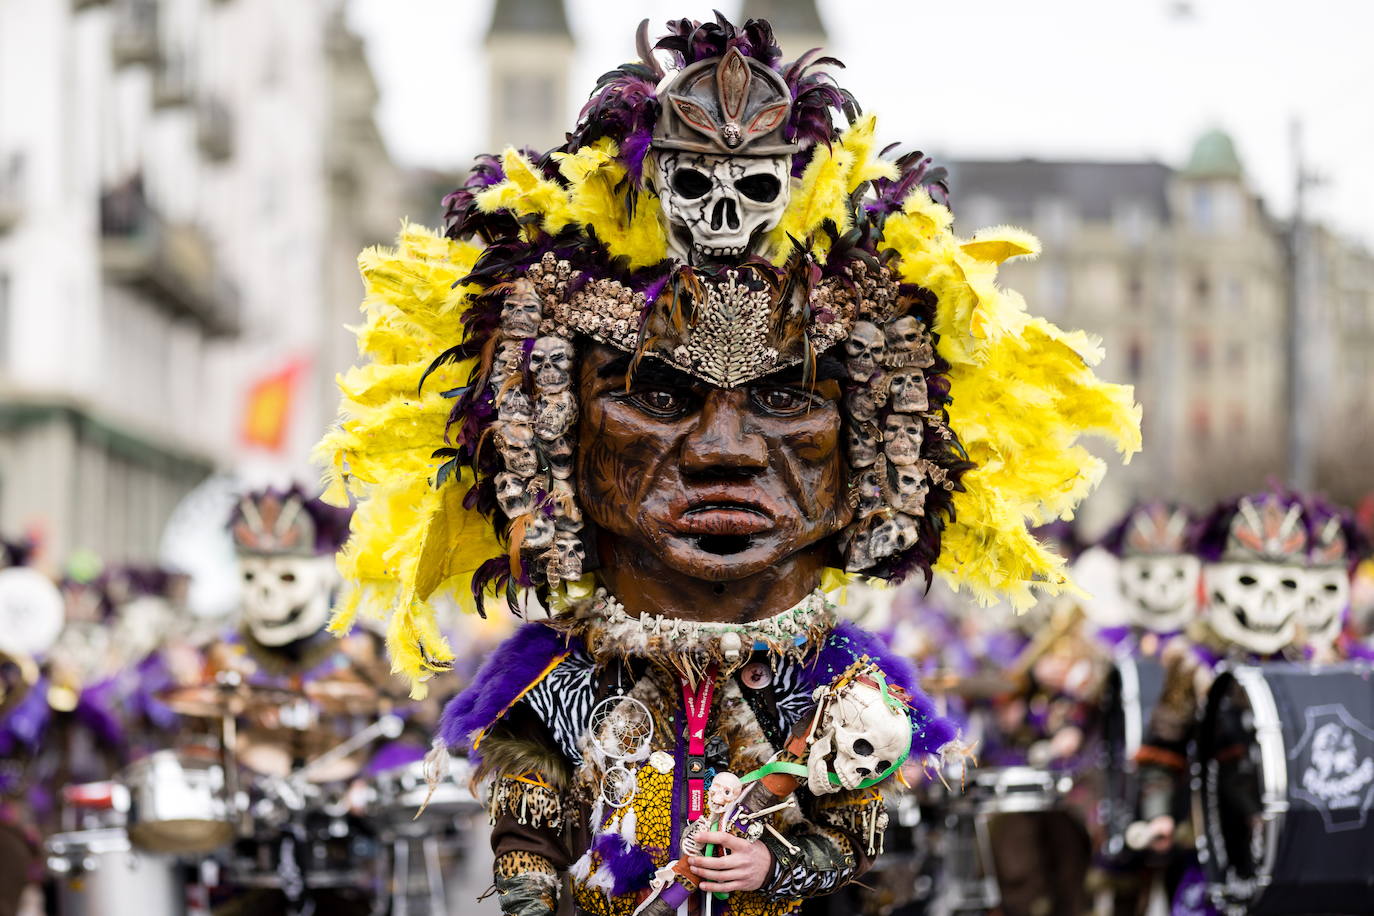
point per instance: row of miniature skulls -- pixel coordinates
(903, 487)
(869, 543)
(550, 362)
(549, 416)
(901, 342)
(902, 436)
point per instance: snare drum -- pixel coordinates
(177, 804)
(1133, 688)
(1287, 789)
(402, 791)
(99, 873)
(1014, 790)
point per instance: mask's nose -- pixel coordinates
(724, 214)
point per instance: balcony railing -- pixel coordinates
(215, 129)
(171, 262)
(11, 190)
(134, 38)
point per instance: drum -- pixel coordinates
(402, 791)
(1015, 790)
(99, 873)
(94, 806)
(177, 804)
(317, 851)
(1133, 687)
(1287, 789)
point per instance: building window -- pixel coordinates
(1054, 288)
(1204, 217)
(1135, 288)
(981, 210)
(1054, 218)
(1235, 293)
(1135, 360)
(1202, 289)
(1133, 221)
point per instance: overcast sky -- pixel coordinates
(1080, 79)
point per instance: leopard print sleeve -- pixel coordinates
(526, 884)
(836, 846)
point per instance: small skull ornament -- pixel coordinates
(863, 351)
(515, 407)
(566, 513)
(512, 495)
(858, 539)
(718, 207)
(868, 493)
(905, 488)
(893, 535)
(908, 344)
(862, 403)
(902, 438)
(862, 442)
(555, 415)
(559, 454)
(908, 387)
(516, 444)
(725, 789)
(866, 736)
(509, 360)
(565, 558)
(522, 310)
(551, 364)
(539, 532)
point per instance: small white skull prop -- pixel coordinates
(555, 415)
(559, 453)
(866, 735)
(725, 788)
(1334, 753)
(908, 389)
(1160, 590)
(510, 357)
(902, 438)
(868, 493)
(1254, 605)
(516, 444)
(857, 555)
(551, 363)
(566, 562)
(515, 407)
(719, 206)
(862, 404)
(512, 494)
(285, 598)
(863, 350)
(894, 535)
(539, 532)
(907, 344)
(522, 310)
(905, 487)
(863, 445)
(1326, 592)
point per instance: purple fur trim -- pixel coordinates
(930, 732)
(630, 865)
(507, 673)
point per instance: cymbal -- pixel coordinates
(209, 701)
(278, 752)
(343, 695)
(970, 687)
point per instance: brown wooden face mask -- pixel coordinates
(691, 482)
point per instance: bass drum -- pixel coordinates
(1134, 686)
(99, 873)
(1287, 789)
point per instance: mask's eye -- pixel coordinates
(1290, 584)
(782, 400)
(660, 402)
(763, 188)
(248, 575)
(1248, 580)
(288, 577)
(1332, 588)
(690, 183)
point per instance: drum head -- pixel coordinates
(184, 836)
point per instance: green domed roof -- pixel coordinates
(1214, 156)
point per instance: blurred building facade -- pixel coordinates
(185, 187)
(1185, 276)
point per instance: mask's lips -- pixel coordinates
(1263, 628)
(292, 616)
(724, 517)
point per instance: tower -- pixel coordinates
(796, 24)
(529, 57)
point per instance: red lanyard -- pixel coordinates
(698, 706)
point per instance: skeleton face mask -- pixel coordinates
(905, 488)
(902, 438)
(1160, 591)
(1254, 605)
(1326, 598)
(909, 391)
(863, 351)
(719, 206)
(907, 344)
(516, 444)
(556, 415)
(866, 735)
(862, 445)
(512, 496)
(285, 598)
(551, 363)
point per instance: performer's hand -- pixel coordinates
(745, 868)
(1162, 833)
